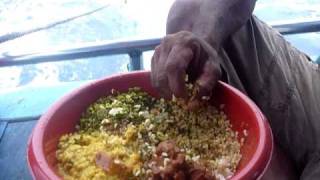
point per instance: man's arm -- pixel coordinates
(213, 20)
(196, 29)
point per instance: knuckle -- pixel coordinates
(166, 39)
(156, 55)
(170, 66)
(179, 57)
(157, 49)
(176, 51)
(186, 52)
(184, 33)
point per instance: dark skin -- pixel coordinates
(196, 29)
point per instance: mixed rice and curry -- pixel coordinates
(135, 136)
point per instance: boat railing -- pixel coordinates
(134, 48)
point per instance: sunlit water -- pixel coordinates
(131, 19)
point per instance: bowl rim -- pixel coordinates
(38, 165)
(265, 144)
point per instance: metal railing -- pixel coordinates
(133, 48)
(298, 28)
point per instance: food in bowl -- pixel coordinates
(135, 136)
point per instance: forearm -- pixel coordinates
(213, 20)
(218, 19)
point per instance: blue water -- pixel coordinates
(130, 19)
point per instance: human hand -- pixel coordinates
(182, 54)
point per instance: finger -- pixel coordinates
(166, 45)
(154, 62)
(177, 64)
(208, 79)
(163, 86)
(160, 79)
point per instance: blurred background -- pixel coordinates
(120, 20)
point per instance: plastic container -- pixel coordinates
(62, 117)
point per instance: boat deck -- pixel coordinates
(15, 131)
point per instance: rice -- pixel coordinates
(128, 127)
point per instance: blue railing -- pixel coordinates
(133, 48)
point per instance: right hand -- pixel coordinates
(182, 54)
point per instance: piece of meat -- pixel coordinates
(168, 147)
(104, 161)
(107, 163)
(169, 164)
(199, 173)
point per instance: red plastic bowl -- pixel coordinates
(62, 117)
